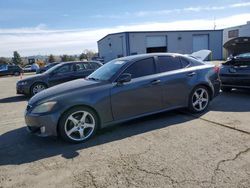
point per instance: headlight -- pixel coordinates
(45, 107)
(22, 83)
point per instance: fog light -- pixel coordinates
(42, 129)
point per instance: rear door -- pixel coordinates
(139, 96)
(177, 79)
(62, 74)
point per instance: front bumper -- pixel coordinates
(42, 125)
(22, 89)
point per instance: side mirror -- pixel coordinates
(126, 77)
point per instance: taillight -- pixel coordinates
(217, 69)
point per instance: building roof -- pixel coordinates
(128, 32)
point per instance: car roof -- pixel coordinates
(72, 62)
(141, 56)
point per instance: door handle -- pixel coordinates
(191, 74)
(155, 82)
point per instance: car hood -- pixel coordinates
(64, 88)
(33, 78)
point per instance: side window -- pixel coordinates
(168, 63)
(87, 66)
(79, 67)
(94, 65)
(141, 68)
(63, 69)
(185, 63)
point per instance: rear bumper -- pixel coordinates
(216, 86)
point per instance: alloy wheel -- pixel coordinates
(200, 99)
(38, 88)
(79, 125)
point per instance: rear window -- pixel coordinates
(94, 65)
(185, 62)
(168, 63)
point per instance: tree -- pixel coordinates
(65, 58)
(51, 58)
(83, 56)
(89, 53)
(16, 58)
(4, 60)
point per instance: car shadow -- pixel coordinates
(19, 147)
(234, 101)
(14, 99)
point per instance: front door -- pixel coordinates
(141, 95)
(62, 74)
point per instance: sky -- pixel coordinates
(43, 27)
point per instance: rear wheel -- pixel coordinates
(226, 89)
(78, 125)
(199, 99)
(37, 87)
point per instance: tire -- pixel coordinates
(78, 125)
(16, 73)
(199, 99)
(37, 87)
(226, 89)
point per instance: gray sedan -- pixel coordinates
(121, 90)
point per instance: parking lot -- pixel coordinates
(172, 149)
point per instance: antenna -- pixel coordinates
(214, 23)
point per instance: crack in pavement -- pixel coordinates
(214, 122)
(92, 179)
(224, 161)
(174, 182)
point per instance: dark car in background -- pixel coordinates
(10, 70)
(235, 73)
(121, 90)
(45, 68)
(58, 74)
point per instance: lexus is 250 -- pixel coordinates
(121, 90)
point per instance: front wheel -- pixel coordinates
(37, 87)
(78, 125)
(199, 99)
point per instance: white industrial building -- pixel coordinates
(234, 40)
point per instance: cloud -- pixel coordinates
(171, 11)
(40, 40)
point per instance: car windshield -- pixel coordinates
(105, 72)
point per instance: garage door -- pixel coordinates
(200, 42)
(156, 44)
(156, 41)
